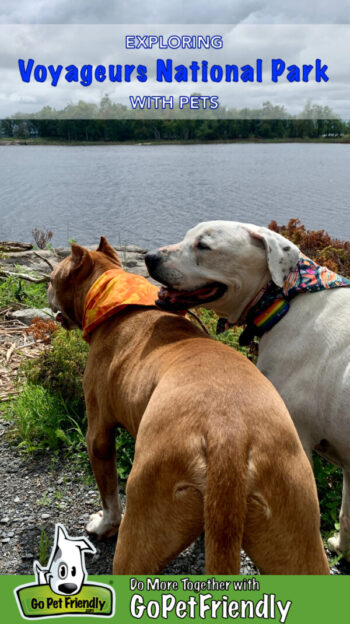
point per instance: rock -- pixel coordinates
(27, 315)
(12, 469)
(45, 516)
(35, 261)
(5, 520)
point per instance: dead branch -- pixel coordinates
(52, 266)
(24, 276)
(10, 351)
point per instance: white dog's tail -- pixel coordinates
(225, 506)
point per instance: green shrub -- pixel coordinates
(125, 444)
(44, 547)
(229, 337)
(15, 291)
(50, 412)
(43, 421)
(329, 481)
(60, 369)
(56, 376)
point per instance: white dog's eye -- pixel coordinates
(62, 570)
(201, 245)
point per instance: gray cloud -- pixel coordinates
(59, 43)
(173, 11)
(104, 44)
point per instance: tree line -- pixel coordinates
(110, 121)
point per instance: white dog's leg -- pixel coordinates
(340, 542)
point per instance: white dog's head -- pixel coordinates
(65, 572)
(221, 265)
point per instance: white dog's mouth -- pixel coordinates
(170, 299)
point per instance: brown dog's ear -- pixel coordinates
(78, 254)
(108, 250)
(81, 257)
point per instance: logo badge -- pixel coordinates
(61, 588)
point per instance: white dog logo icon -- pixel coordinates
(65, 571)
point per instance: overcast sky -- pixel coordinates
(242, 45)
(174, 11)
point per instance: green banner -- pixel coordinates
(38, 601)
(291, 599)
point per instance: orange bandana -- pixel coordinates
(112, 292)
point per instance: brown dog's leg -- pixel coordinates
(102, 453)
(163, 516)
(282, 530)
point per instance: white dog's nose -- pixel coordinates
(152, 259)
(68, 588)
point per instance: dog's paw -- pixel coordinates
(333, 543)
(335, 546)
(102, 527)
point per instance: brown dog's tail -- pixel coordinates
(225, 506)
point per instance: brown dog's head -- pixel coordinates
(73, 277)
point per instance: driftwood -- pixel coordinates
(36, 280)
(13, 246)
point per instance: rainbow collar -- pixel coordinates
(272, 302)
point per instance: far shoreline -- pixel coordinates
(8, 141)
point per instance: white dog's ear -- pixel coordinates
(282, 255)
(85, 544)
(40, 573)
(63, 541)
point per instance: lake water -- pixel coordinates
(150, 195)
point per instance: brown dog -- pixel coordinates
(215, 450)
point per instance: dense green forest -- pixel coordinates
(89, 122)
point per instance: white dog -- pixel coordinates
(65, 571)
(228, 267)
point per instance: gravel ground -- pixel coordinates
(36, 494)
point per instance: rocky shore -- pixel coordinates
(37, 492)
(36, 261)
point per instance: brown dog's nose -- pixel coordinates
(152, 259)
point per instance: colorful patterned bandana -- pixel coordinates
(112, 292)
(311, 277)
(272, 302)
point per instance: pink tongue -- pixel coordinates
(207, 294)
(174, 295)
